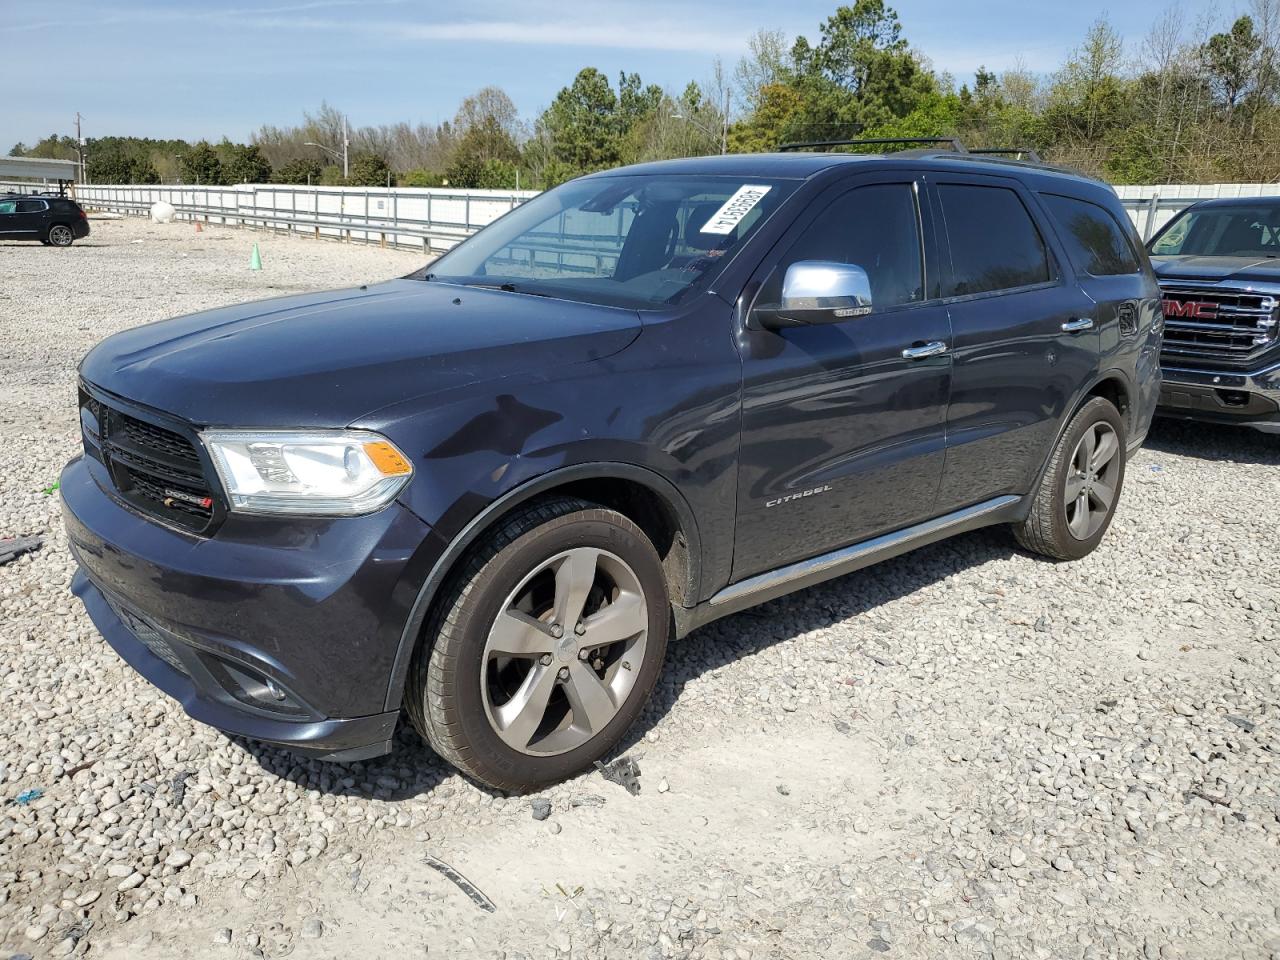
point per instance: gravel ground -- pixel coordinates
(962, 752)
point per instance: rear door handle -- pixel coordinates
(1077, 325)
(931, 349)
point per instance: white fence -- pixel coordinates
(431, 219)
(436, 219)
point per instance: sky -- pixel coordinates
(212, 68)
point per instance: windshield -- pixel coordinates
(632, 241)
(1230, 231)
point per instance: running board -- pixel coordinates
(776, 583)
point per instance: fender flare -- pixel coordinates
(1111, 373)
(514, 497)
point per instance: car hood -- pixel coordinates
(1215, 269)
(326, 359)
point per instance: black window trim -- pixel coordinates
(926, 221)
(1124, 234)
(1054, 256)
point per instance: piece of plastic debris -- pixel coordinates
(624, 771)
(463, 884)
(26, 796)
(48, 491)
(17, 546)
(1156, 468)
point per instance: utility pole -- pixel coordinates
(724, 127)
(80, 147)
(346, 142)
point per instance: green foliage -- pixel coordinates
(246, 164)
(299, 170)
(420, 178)
(368, 170)
(582, 123)
(200, 164)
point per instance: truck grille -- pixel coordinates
(157, 471)
(1228, 328)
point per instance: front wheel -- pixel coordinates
(1079, 492)
(60, 235)
(545, 648)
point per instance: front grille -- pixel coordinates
(151, 637)
(156, 470)
(1224, 327)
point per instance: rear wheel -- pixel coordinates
(60, 235)
(1079, 492)
(545, 648)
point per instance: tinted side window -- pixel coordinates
(877, 228)
(8, 206)
(32, 206)
(994, 242)
(1093, 239)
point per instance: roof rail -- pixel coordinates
(1027, 152)
(953, 142)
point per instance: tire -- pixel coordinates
(491, 646)
(60, 235)
(1056, 527)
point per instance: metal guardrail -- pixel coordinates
(431, 219)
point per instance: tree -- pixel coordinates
(765, 65)
(582, 123)
(200, 164)
(247, 165)
(368, 170)
(1231, 61)
(299, 170)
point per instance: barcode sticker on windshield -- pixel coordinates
(735, 208)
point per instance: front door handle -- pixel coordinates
(931, 349)
(1077, 325)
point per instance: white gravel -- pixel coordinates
(962, 752)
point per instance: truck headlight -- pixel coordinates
(341, 473)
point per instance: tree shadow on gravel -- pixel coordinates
(1212, 441)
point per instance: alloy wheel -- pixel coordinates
(60, 236)
(564, 653)
(1090, 489)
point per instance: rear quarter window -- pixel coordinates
(995, 245)
(1095, 241)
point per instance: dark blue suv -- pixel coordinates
(490, 492)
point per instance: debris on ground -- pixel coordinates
(624, 771)
(52, 488)
(541, 808)
(15, 547)
(462, 883)
(27, 796)
(179, 785)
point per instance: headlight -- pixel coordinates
(331, 473)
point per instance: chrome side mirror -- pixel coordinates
(819, 291)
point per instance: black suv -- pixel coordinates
(490, 492)
(1218, 263)
(55, 221)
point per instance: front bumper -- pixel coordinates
(1247, 399)
(280, 631)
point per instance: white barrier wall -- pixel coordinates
(437, 218)
(428, 217)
